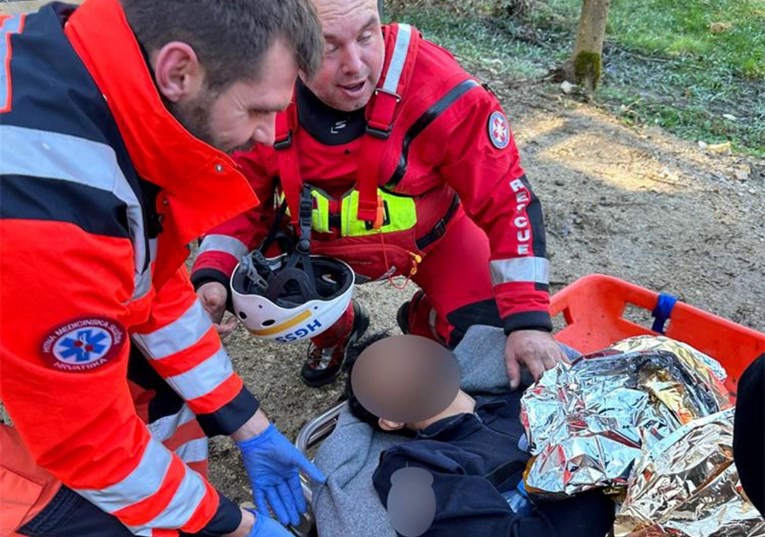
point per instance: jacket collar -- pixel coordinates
(460, 425)
(201, 185)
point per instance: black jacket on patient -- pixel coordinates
(749, 432)
(475, 462)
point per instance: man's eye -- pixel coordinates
(365, 38)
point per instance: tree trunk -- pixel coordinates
(585, 65)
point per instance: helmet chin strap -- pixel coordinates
(297, 271)
(302, 251)
(253, 264)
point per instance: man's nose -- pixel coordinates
(265, 131)
(352, 59)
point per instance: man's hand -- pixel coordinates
(534, 348)
(253, 525)
(213, 296)
(272, 464)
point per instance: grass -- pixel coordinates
(471, 38)
(727, 34)
(693, 67)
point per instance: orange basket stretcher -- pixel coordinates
(594, 307)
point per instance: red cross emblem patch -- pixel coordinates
(499, 130)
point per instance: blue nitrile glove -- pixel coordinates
(272, 463)
(268, 527)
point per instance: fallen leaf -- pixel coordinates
(719, 27)
(719, 148)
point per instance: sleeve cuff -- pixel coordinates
(226, 519)
(231, 417)
(202, 276)
(529, 320)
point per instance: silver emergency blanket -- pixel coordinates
(686, 485)
(586, 424)
(649, 415)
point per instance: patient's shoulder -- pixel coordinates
(421, 454)
(431, 454)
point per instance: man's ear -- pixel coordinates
(177, 71)
(387, 425)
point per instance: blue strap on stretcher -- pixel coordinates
(663, 311)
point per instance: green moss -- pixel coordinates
(587, 66)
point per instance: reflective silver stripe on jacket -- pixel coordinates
(164, 428)
(62, 157)
(177, 336)
(521, 269)
(398, 59)
(193, 450)
(143, 482)
(203, 378)
(225, 244)
(140, 484)
(181, 508)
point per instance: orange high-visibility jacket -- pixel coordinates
(101, 190)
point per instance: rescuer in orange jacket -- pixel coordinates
(114, 119)
(415, 173)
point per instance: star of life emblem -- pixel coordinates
(499, 130)
(83, 344)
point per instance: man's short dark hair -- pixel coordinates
(229, 37)
(356, 408)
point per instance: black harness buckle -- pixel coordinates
(379, 133)
(284, 143)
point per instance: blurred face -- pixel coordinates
(244, 113)
(353, 53)
(405, 379)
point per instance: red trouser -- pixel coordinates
(458, 293)
(26, 489)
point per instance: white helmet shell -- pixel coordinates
(266, 319)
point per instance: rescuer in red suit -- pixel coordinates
(414, 172)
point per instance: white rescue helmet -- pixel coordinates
(290, 297)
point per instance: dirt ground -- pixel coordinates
(637, 204)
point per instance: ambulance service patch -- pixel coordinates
(499, 130)
(83, 344)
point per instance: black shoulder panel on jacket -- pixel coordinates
(35, 198)
(53, 90)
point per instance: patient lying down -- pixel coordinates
(461, 475)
